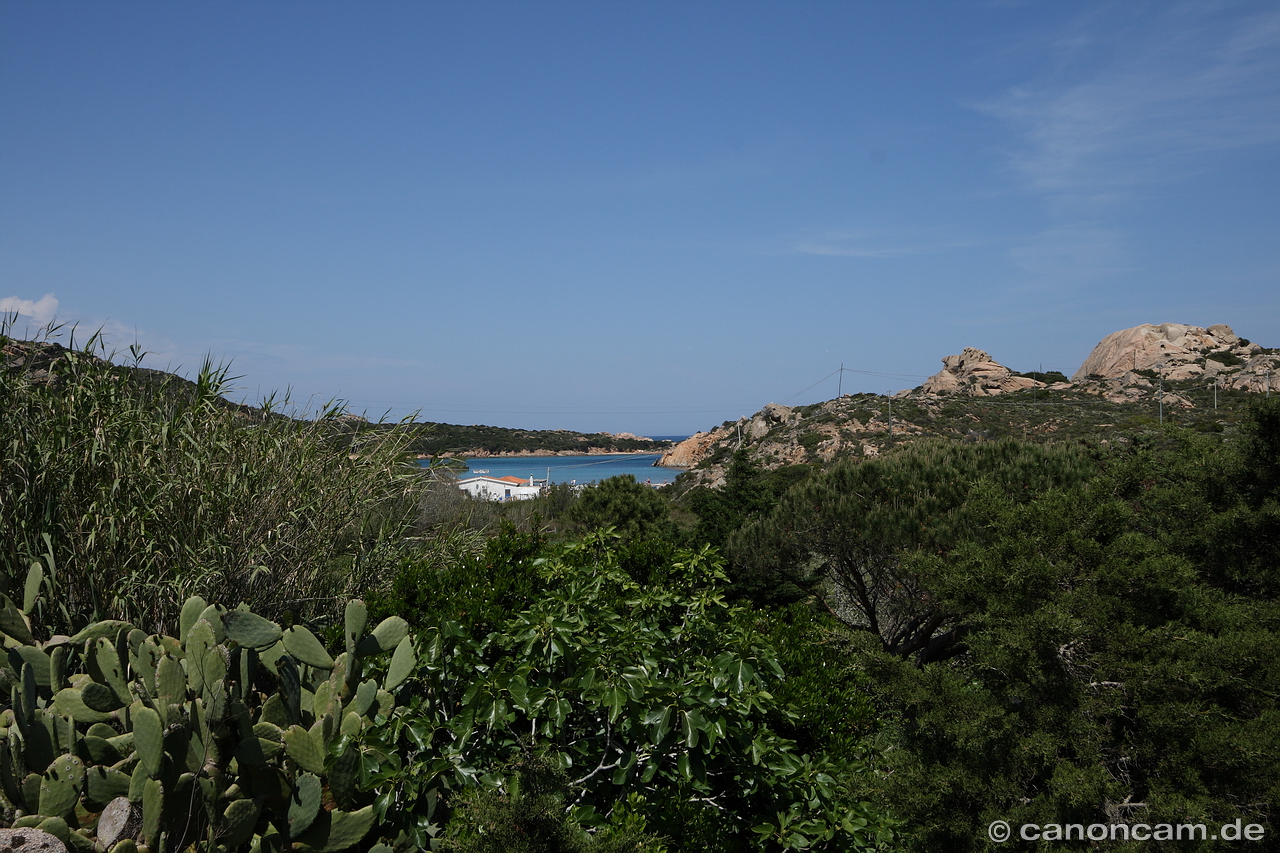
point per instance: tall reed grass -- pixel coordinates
(136, 489)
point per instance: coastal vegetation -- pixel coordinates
(429, 438)
(226, 629)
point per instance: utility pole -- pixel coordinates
(840, 382)
(1160, 393)
(891, 419)
(1215, 394)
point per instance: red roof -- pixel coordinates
(515, 481)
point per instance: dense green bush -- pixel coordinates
(848, 529)
(749, 492)
(1110, 675)
(479, 585)
(628, 506)
(657, 700)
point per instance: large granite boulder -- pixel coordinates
(1172, 346)
(975, 372)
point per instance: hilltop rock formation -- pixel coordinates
(1175, 351)
(1176, 347)
(975, 372)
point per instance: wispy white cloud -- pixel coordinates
(41, 311)
(1172, 91)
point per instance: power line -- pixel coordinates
(424, 410)
(814, 385)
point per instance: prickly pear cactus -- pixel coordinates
(253, 724)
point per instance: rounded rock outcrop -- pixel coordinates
(975, 372)
(1152, 347)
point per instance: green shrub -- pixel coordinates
(811, 440)
(1048, 377)
(1226, 357)
(631, 507)
(657, 701)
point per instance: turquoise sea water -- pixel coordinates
(581, 469)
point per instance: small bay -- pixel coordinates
(574, 469)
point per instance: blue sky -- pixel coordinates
(648, 217)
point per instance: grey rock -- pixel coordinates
(29, 840)
(118, 819)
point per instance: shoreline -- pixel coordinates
(539, 454)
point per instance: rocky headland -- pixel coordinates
(1130, 379)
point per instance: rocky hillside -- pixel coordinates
(1133, 380)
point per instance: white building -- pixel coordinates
(501, 488)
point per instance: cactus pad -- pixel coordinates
(336, 830)
(304, 646)
(191, 610)
(301, 746)
(148, 738)
(402, 664)
(70, 702)
(356, 618)
(104, 784)
(61, 786)
(98, 630)
(304, 803)
(34, 658)
(238, 821)
(31, 589)
(13, 623)
(385, 637)
(152, 811)
(250, 629)
(100, 697)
